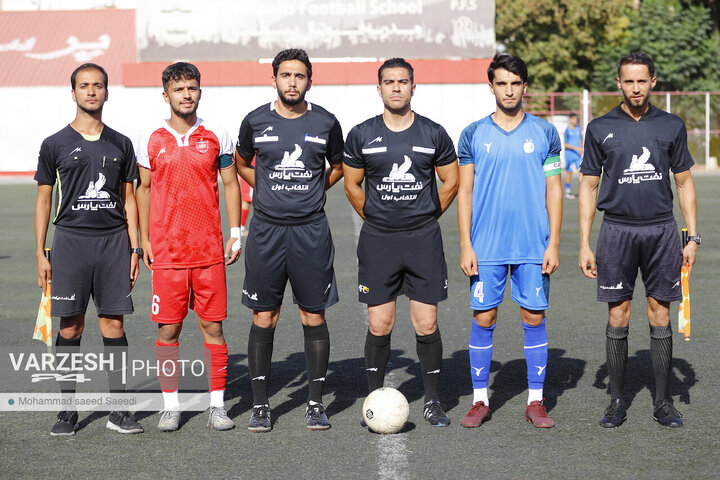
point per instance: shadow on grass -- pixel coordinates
(639, 376)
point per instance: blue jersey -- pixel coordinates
(573, 137)
(509, 218)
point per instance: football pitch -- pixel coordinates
(506, 447)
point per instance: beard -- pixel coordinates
(291, 102)
(185, 114)
(637, 103)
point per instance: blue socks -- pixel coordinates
(481, 349)
(536, 354)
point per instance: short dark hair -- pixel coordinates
(396, 62)
(637, 58)
(88, 66)
(180, 71)
(510, 63)
(292, 54)
(572, 114)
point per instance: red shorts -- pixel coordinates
(202, 289)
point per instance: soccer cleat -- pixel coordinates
(569, 196)
(435, 415)
(169, 420)
(666, 415)
(536, 414)
(316, 417)
(123, 422)
(615, 414)
(260, 420)
(65, 425)
(478, 413)
(219, 419)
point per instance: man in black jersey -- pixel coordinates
(289, 237)
(400, 250)
(94, 249)
(634, 148)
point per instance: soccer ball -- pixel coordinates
(385, 410)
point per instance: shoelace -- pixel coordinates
(262, 411)
(315, 411)
(66, 415)
(432, 409)
(477, 406)
(613, 409)
(669, 410)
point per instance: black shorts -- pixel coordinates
(84, 265)
(410, 262)
(655, 249)
(303, 254)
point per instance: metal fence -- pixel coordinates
(699, 110)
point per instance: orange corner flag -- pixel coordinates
(43, 324)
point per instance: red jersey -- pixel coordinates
(185, 229)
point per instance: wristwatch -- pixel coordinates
(695, 238)
(138, 250)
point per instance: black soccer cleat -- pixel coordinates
(65, 425)
(615, 414)
(666, 415)
(123, 422)
(435, 415)
(316, 417)
(260, 419)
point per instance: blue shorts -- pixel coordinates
(572, 161)
(529, 286)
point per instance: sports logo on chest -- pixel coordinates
(528, 146)
(399, 184)
(291, 168)
(202, 145)
(640, 169)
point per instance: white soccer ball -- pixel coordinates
(385, 410)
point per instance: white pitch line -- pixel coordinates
(392, 452)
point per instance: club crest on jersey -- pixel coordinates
(528, 146)
(202, 146)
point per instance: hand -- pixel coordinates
(586, 262)
(45, 272)
(468, 261)
(551, 260)
(134, 269)
(232, 251)
(689, 256)
(148, 257)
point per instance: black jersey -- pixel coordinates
(400, 187)
(635, 159)
(290, 163)
(89, 176)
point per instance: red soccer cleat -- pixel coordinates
(537, 415)
(478, 413)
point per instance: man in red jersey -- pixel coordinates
(182, 238)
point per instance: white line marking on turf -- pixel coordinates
(392, 456)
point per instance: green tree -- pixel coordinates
(560, 39)
(682, 41)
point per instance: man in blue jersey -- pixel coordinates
(509, 216)
(635, 147)
(573, 152)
